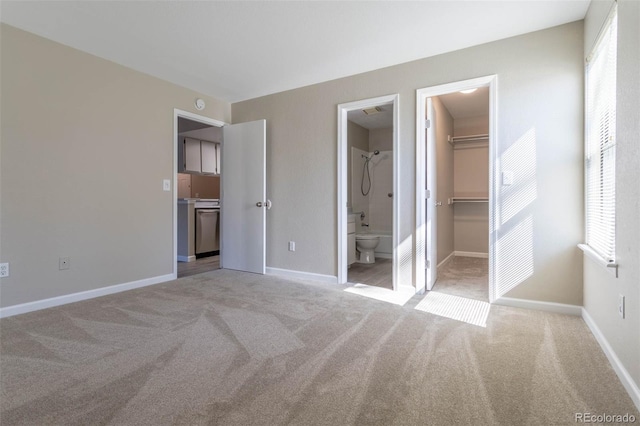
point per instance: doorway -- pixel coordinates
(367, 192)
(241, 166)
(196, 196)
(455, 190)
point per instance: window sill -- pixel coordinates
(610, 266)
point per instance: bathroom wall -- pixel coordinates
(443, 123)
(376, 205)
(471, 175)
(380, 203)
(357, 136)
(381, 139)
(360, 203)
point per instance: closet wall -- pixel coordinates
(471, 181)
(462, 187)
(444, 179)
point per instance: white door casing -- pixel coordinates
(243, 199)
(431, 267)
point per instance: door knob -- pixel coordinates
(267, 204)
(259, 204)
(439, 203)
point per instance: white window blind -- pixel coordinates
(600, 151)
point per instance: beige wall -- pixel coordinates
(601, 288)
(86, 144)
(381, 139)
(358, 137)
(534, 71)
(471, 176)
(444, 178)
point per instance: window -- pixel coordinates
(600, 149)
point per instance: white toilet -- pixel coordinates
(366, 244)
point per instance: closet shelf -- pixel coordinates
(470, 197)
(456, 140)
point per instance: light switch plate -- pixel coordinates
(507, 178)
(621, 306)
(166, 185)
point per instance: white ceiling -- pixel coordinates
(379, 120)
(236, 50)
(465, 105)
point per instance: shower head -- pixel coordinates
(369, 157)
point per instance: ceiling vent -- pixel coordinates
(371, 111)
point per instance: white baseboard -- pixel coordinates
(83, 295)
(447, 260)
(471, 254)
(302, 275)
(627, 381)
(186, 258)
(559, 308)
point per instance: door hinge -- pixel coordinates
(428, 194)
(427, 124)
(428, 264)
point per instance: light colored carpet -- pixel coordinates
(232, 348)
(465, 277)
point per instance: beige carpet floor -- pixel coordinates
(232, 348)
(465, 277)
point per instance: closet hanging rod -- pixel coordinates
(471, 138)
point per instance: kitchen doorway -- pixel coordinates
(196, 194)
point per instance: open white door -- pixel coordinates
(431, 270)
(244, 197)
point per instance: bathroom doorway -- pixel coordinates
(455, 190)
(367, 188)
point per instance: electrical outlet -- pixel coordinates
(4, 270)
(292, 246)
(64, 263)
(621, 306)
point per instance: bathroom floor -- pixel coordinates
(378, 274)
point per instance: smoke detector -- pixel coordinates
(371, 111)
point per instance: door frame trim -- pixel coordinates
(343, 168)
(201, 119)
(490, 81)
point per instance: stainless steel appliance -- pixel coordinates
(207, 227)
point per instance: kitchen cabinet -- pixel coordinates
(184, 185)
(199, 157)
(210, 161)
(192, 155)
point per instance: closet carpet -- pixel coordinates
(233, 348)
